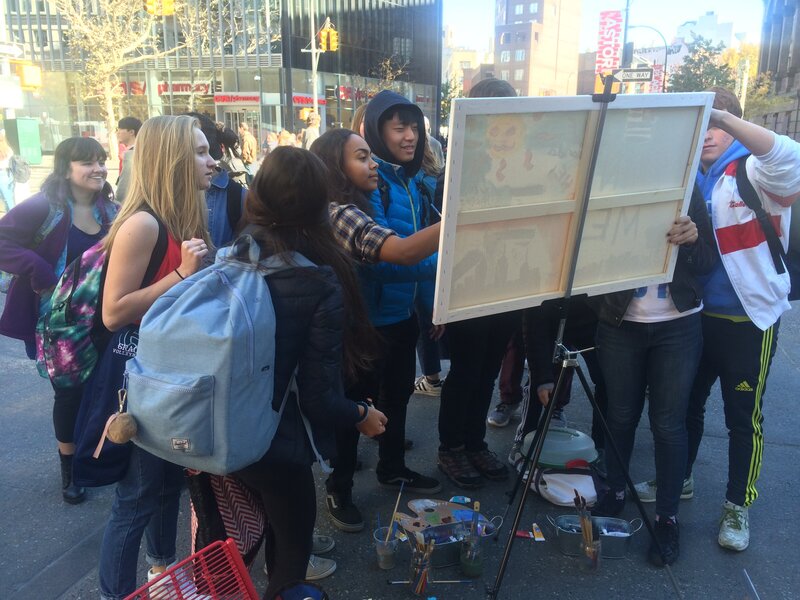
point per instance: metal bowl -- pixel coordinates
(615, 534)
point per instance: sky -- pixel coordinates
(473, 20)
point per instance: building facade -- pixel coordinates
(536, 45)
(780, 57)
(239, 61)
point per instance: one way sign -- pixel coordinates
(638, 75)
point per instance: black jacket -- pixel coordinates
(693, 260)
(309, 317)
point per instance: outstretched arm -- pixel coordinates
(753, 137)
(412, 249)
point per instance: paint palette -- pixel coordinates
(445, 517)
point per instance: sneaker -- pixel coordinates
(414, 482)
(459, 469)
(501, 415)
(734, 529)
(488, 464)
(322, 544)
(610, 505)
(426, 387)
(558, 419)
(319, 568)
(343, 513)
(667, 534)
(515, 456)
(153, 574)
(647, 489)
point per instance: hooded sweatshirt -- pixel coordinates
(391, 290)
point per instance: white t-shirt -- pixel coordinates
(653, 304)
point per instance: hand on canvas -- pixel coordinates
(716, 117)
(682, 232)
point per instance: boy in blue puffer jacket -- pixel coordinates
(395, 130)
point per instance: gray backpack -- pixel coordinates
(201, 385)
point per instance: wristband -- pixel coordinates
(178, 273)
(366, 412)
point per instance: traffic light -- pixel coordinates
(333, 40)
(160, 8)
(323, 40)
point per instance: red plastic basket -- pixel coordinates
(215, 572)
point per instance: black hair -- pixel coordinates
(131, 123)
(209, 129)
(288, 206)
(329, 147)
(70, 150)
(407, 114)
(492, 88)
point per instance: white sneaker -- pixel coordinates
(425, 386)
(318, 568)
(502, 414)
(734, 528)
(647, 489)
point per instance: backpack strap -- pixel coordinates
(234, 204)
(159, 252)
(751, 199)
(52, 219)
(383, 188)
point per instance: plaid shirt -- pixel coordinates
(358, 234)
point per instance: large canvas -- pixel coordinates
(516, 182)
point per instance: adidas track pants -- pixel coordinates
(739, 354)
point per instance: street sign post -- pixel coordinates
(636, 75)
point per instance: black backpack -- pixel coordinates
(784, 261)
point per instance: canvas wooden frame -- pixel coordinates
(515, 187)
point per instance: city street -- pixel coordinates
(49, 550)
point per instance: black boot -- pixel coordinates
(72, 493)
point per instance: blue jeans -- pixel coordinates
(663, 358)
(7, 188)
(146, 502)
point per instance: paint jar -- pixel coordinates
(419, 573)
(471, 556)
(386, 550)
(590, 557)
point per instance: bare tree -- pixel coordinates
(106, 36)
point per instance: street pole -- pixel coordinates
(666, 52)
(314, 54)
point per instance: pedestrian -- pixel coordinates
(38, 239)
(322, 333)
(172, 168)
(352, 177)
(430, 181)
(249, 146)
(6, 173)
(127, 130)
(477, 347)
(744, 296)
(311, 132)
(651, 338)
(395, 131)
(231, 159)
(225, 197)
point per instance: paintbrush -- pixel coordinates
(475, 516)
(394, 512)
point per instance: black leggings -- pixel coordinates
(66, 402)
(290, 503)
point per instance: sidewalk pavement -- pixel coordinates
(49, 550)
